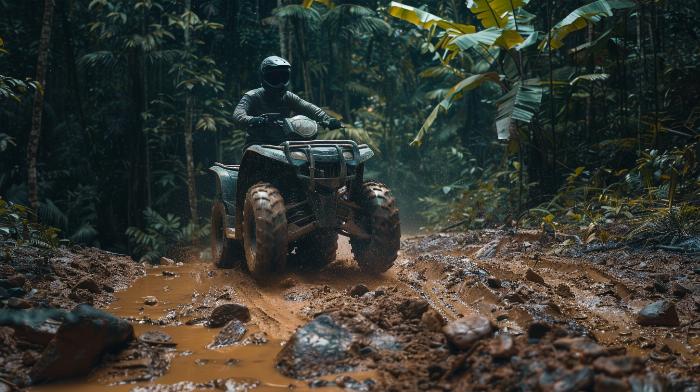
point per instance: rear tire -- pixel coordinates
(224, 252)
(380, 218)
(318, 249)
(264, 230)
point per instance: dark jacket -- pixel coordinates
(257, 102)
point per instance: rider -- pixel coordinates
(273, 97)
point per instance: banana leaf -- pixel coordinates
(426, 20)
(581, 17)
(453, 94)
(520, 103)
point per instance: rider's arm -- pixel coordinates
(240, 114)
(299, 106)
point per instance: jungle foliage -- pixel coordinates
(483, 112)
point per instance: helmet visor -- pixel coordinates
(277, 77)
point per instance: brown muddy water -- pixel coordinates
(192, 360)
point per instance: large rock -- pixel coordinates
(230, 334)
(659, 314)
(464, 332)
(319, 347)
(333, 343)
(37, 326)
(222, 314)
(86, 334)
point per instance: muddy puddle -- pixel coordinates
(191, 360)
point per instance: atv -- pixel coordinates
(296, 197)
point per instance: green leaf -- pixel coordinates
(520, 103)
(581, 17)
(454, 93)
(494, 13)
(425, 20)
(590, 78)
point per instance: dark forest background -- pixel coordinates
(483, 113)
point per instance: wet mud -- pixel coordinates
(529, 314)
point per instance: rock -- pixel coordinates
(564, 291)
(222, 314)
(168, 273)
(515, 298)
(502, 347)
(604, 383)
(320, 343)
(332, 343)
(432, 320)
(150, 300)
(157, 338)
(231, 333)
(582, 345)
(88, 284)
(358, 290)
(538, 329)
(82, 338)
(466, 331)
(558, 379)
(82, 296)
(493, 282)
(487, 251)
(660, 314)
(16, 292)
(533, 276)
(257, 338)
(18, 303)
(618, 366)
(413, 308)
(660, 287)
(37, 325)
(679, 290)
(17, 280)
(651, 382)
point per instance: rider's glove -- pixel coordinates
(257, 122)
(333, 124)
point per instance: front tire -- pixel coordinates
(224, 252)
(318, 249)
(264, 230)
(380, 218)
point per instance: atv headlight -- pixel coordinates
(299, 156)
(347, 155)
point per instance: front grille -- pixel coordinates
(327, 170)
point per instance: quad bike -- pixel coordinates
(297, 197)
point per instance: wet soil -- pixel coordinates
(563, 315)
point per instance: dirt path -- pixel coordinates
(484, 273)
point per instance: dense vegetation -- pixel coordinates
(483, 112)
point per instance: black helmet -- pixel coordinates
(275, 72)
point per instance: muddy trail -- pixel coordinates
(483, 310)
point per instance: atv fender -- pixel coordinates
(226, 177)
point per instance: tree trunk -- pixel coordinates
(189, 109)
(137, 194)
(282, 26)
(38, 108)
